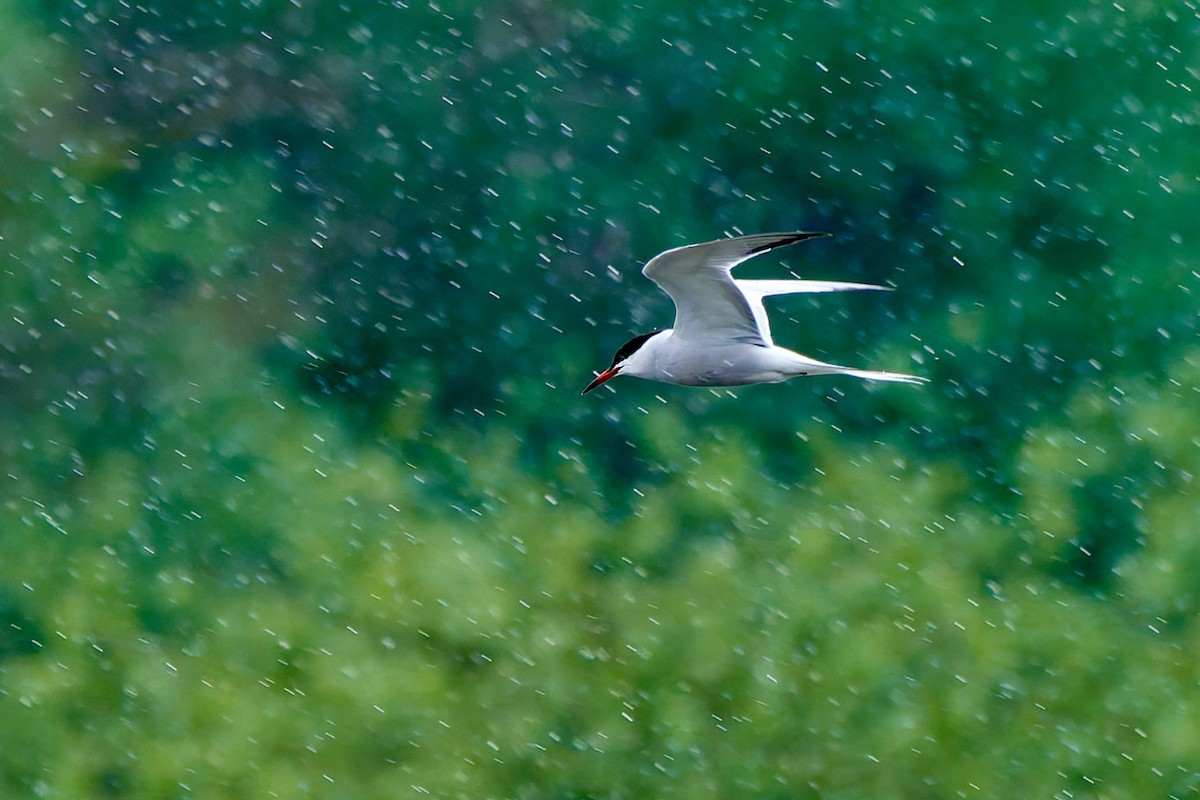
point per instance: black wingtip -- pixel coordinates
(789, 238)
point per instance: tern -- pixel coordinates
(722, 336)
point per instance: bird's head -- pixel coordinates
(625, 354)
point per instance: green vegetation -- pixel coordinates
(299, 497)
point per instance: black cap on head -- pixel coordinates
(624, 352)
(631, 347)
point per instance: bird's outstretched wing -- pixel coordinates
(755, 291)
(710, 305)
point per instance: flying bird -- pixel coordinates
(722, 336)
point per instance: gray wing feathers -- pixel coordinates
(754, 291)
(773, 287)
(709, 304)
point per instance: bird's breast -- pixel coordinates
(723, 364)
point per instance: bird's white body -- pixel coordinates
(664, 357)
(722, 336)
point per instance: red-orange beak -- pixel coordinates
(602, 378)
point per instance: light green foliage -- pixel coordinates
(299, 497)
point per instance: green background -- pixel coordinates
(298, 496)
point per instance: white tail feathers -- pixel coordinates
(874, 375)
(803, 365)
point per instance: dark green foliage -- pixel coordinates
(299, 496)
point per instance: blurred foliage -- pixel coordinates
(300, 499)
